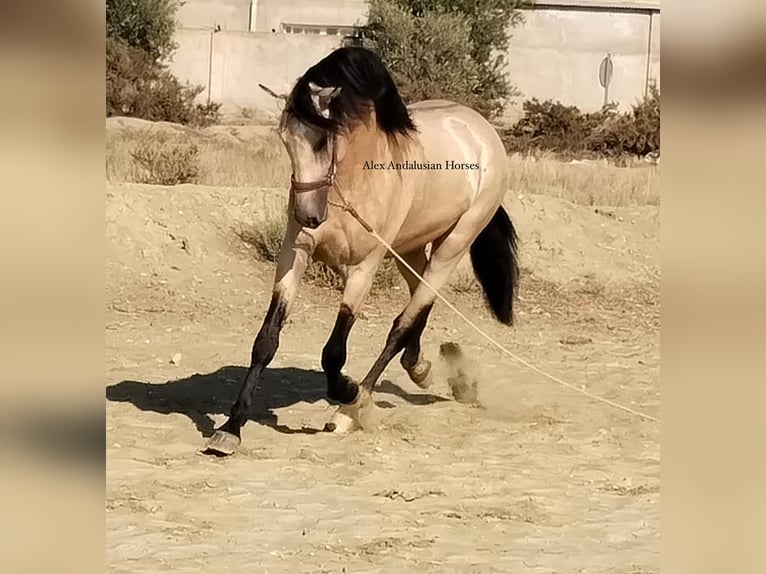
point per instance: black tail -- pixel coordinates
(495, 262)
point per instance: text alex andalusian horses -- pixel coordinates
(345, 113)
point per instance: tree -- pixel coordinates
(138, 83)
(452, 49)
(147, 25)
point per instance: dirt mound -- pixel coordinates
(195, 228)
(562, 242)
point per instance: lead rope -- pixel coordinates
(346, 206)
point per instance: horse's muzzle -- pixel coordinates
(310, 207)
(310, 222)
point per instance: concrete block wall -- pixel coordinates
(269, 15)
(242, 60)
(231, 15)
(654, 49)
(555, 54)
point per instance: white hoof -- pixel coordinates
(349, 418)
(341, 423)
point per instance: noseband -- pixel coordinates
(327, 181)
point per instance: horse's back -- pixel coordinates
(453, 132)
(435, 114)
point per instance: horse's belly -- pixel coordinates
(434, 211)
(415, 239)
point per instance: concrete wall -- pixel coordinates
(556, 55)
(228, 14)
(242, 60)
(654, 49)
(271, 14)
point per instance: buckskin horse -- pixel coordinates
(428, 178)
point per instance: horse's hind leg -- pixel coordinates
(418, 368)
(442, 263)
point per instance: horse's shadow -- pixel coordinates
(202, 395)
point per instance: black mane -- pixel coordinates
(364, 82)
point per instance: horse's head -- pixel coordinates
(342, 91)
(313, 155)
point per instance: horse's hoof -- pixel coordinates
(343, 421)
(222, 443)
(349, 418)
(421, 374)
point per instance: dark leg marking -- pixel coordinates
(339, 387)
(411, 353)
(397, 338)
(264, 349)
(417, 368)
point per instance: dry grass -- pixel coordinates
(592, 183)
(386, 277)
(232, 156)
(159, 164)
(253, 155)
(463, 281)
(265, 238)
(585, 302)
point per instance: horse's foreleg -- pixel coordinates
(293, 260)
(358, 282)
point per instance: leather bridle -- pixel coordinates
(327, 181)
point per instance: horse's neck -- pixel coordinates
(365, 143)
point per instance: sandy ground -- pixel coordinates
(536, 478)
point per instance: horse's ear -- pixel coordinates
(272, 93)
(321, 97)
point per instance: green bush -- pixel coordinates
(553, 126)
(146, 25)
(138, 87)
(635, 133)
(451, 49)
(138, 83)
